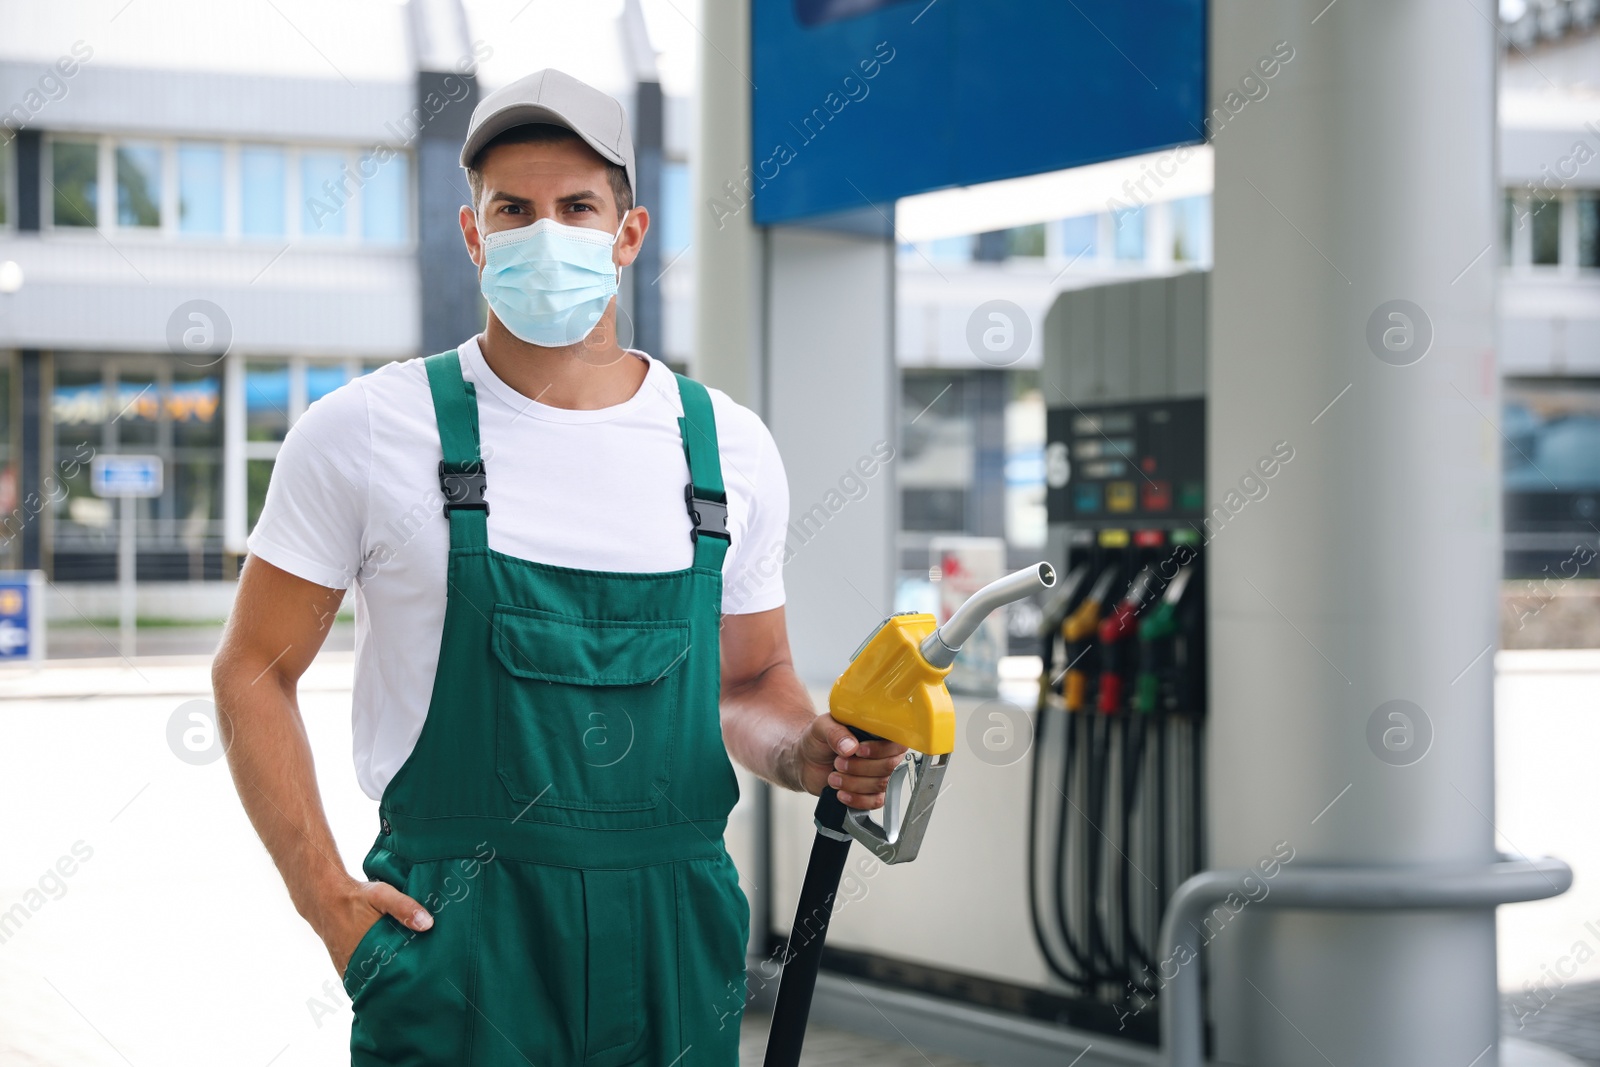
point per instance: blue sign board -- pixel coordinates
(861, 102)
(21, 616)
(125, 475)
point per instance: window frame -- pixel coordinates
(8, 186)
(1518, 258)
(107, 223)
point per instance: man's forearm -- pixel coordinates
(763, 722)
(270, 758)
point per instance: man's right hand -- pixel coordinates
(357, 909)
(277, 624)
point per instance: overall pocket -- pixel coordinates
(587, 708)
(411, 991)
(377, 950)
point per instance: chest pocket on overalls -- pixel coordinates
(587, 708)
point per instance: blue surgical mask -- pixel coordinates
(548, 283)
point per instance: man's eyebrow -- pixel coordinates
(573, 198)
(510, 198)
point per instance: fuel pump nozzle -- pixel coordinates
(892, 690)
(940, 647)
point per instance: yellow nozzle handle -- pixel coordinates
(891, 691)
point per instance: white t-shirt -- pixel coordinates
(355, 499)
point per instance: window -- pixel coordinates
(677, 209)
(1191, 229)
(385, 198)
(261, 179)
(138, 404)
(193, 404)
(953, 248)
(1080, 238)
(1588, 211)
(196, 496)
(325, 186)
(1546, 222)
(322, 379)
(200, 189)
(1552, 435)
(258, 474)
(934, 465)
(78, 413)
(136, 412)
(1129, 225)
(75, 183)
(266, 401)
(1025, 240)
(138, 185)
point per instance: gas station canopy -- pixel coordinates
(860, 102)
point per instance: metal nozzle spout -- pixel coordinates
(940, 647)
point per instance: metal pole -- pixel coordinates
(126, 562)
(726, 253)
(1512, 879)
(1353, 481)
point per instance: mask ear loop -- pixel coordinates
(617, 237)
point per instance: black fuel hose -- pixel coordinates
(1075, 972)
(1134, 792)
(803, 956)
(1097, 780)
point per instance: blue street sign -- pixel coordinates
(21, 616)
(126, 475)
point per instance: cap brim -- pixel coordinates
(528, 115)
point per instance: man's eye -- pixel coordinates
(583, 207)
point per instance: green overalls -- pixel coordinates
(562, 813)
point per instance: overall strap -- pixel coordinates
(705, 496)
(462, 478)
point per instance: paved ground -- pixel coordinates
(153, 930)
(1566, 1018)
(835, 1048)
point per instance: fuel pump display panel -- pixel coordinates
(1135, 461)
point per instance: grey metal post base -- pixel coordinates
(1511, 880)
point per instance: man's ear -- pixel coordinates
(471, 237)
(631, 239)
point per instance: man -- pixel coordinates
(561, 634)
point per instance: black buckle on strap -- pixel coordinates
(708, 516)
(463, 485)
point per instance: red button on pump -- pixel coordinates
(1157, 496)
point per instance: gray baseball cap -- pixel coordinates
(554, 97)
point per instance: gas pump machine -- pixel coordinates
(1115, 819)
(1047, 876)
(1114, 815)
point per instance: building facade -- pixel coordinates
(212, 215)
